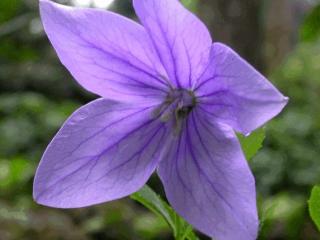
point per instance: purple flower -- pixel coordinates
(171, 100)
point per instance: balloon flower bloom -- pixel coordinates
(171, 102)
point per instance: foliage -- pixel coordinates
(181, 229)
(290, 155)
(251, 144)
(283, 210)
(288, 163)
(314, 205)
(11, 7)
(190, 4)
(310, 30)
(27, 120)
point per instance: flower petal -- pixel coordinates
(208, 182)
(106, 53)
(233, 92)
(181, 39)
(103, 152)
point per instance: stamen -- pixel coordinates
(176, 107)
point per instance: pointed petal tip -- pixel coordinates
(42, 199)
(39, 199)
(80, 38)
(42, 202)
(285, 100)
(82, 179)
(217, 197)
(183, 45)
(38, 196)
(251, 100)
(45, 6)
(42, 3)
(282, 104)
(48, 3)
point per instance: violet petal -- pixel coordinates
(103, 152)
(106, 53)
(181, 39)
(235, 93)
(208, 181)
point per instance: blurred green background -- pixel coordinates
(279, 37)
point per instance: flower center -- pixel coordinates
(176, 106)
(185, 102)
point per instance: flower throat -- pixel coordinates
(178, 104)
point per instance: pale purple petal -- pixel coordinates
(208, 181)
(106, 53)
(181, 39)
(235, 93)
(103, 152)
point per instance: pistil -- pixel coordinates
(178, 104)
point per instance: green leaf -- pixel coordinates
(314, 205)
(310, 30)
(252, 143)
(181, 229)
(190, 4)
(14, 171)
(9, 9)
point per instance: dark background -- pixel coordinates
(279, 37)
